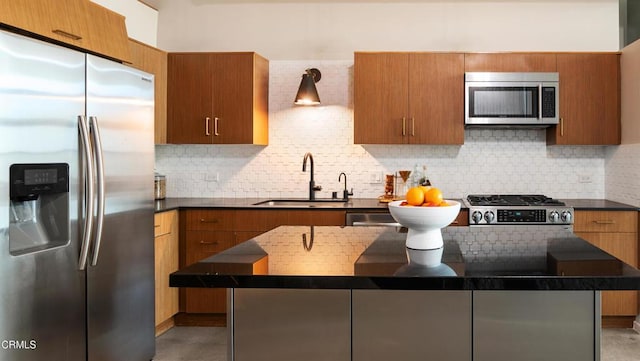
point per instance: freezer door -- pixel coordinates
(42, 304)
(120, 274)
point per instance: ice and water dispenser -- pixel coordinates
(39, 207)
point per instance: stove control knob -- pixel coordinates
(566, 216)
(554, 216)
(476, 216)
(489, 216)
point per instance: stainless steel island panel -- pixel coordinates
(411, 325)
(536, 325)
(290, 324)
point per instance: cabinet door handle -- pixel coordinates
(215, 220)
(157, 226)
(209, 243)
(404, 126)
(606, 221)
(206, 126)
(413, 127)
(215, 126)
(66, 34)
(561, 127)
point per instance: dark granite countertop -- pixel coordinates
(474, 258)
(354, 204)
(598, 205)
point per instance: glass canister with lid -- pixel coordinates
(160, 186)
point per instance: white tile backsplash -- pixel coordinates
(490, 161)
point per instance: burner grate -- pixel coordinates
(513, 200)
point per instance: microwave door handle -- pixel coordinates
(99, 157)
(87, 172)
(539, 101)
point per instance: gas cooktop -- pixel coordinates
(512, 200)
(509, 209)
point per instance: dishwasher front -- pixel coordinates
(360, 219)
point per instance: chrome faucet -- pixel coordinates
(345, 192)
(312, 184)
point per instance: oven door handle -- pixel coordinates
(386, 224)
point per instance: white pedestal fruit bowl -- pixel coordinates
(424, 223)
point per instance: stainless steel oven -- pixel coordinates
(516, 209)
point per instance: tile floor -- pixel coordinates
(209, 343)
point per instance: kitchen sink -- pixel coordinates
(303, 203)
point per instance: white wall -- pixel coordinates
(623, 162)
(141, 20)
(324, 35)
(630, 87)
(333, 30)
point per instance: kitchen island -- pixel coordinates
(350, 293)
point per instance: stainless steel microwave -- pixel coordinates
(511, 99)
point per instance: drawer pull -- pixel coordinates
(156, 226)
(202, 220)
(66, 34)
(209, 243)
(605, 222)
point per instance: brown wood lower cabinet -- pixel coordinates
(206, 232)
(615, 232)
(200, 245)
(462, 219)
(166, 262)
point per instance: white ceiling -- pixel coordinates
(152, 3)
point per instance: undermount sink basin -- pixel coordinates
(318, 203)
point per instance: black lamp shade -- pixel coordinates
(307, 92)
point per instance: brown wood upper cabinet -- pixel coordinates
(510, 62)
(589, 100)
(217, 98)
(154, 61)
(408, 98)
(589, 91)
(79, 23)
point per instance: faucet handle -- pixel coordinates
(346, 194)
(317, 188)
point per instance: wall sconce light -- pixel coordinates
(307, 92)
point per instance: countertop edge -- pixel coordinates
(354, 205)
(480, 283)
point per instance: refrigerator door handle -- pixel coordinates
(87, 172)
(99, 158)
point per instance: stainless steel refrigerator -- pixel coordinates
(76, 206)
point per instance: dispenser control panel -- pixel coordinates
(27, 181)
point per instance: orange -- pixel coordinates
(433, 196)
(415, 196)
(425, 189)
